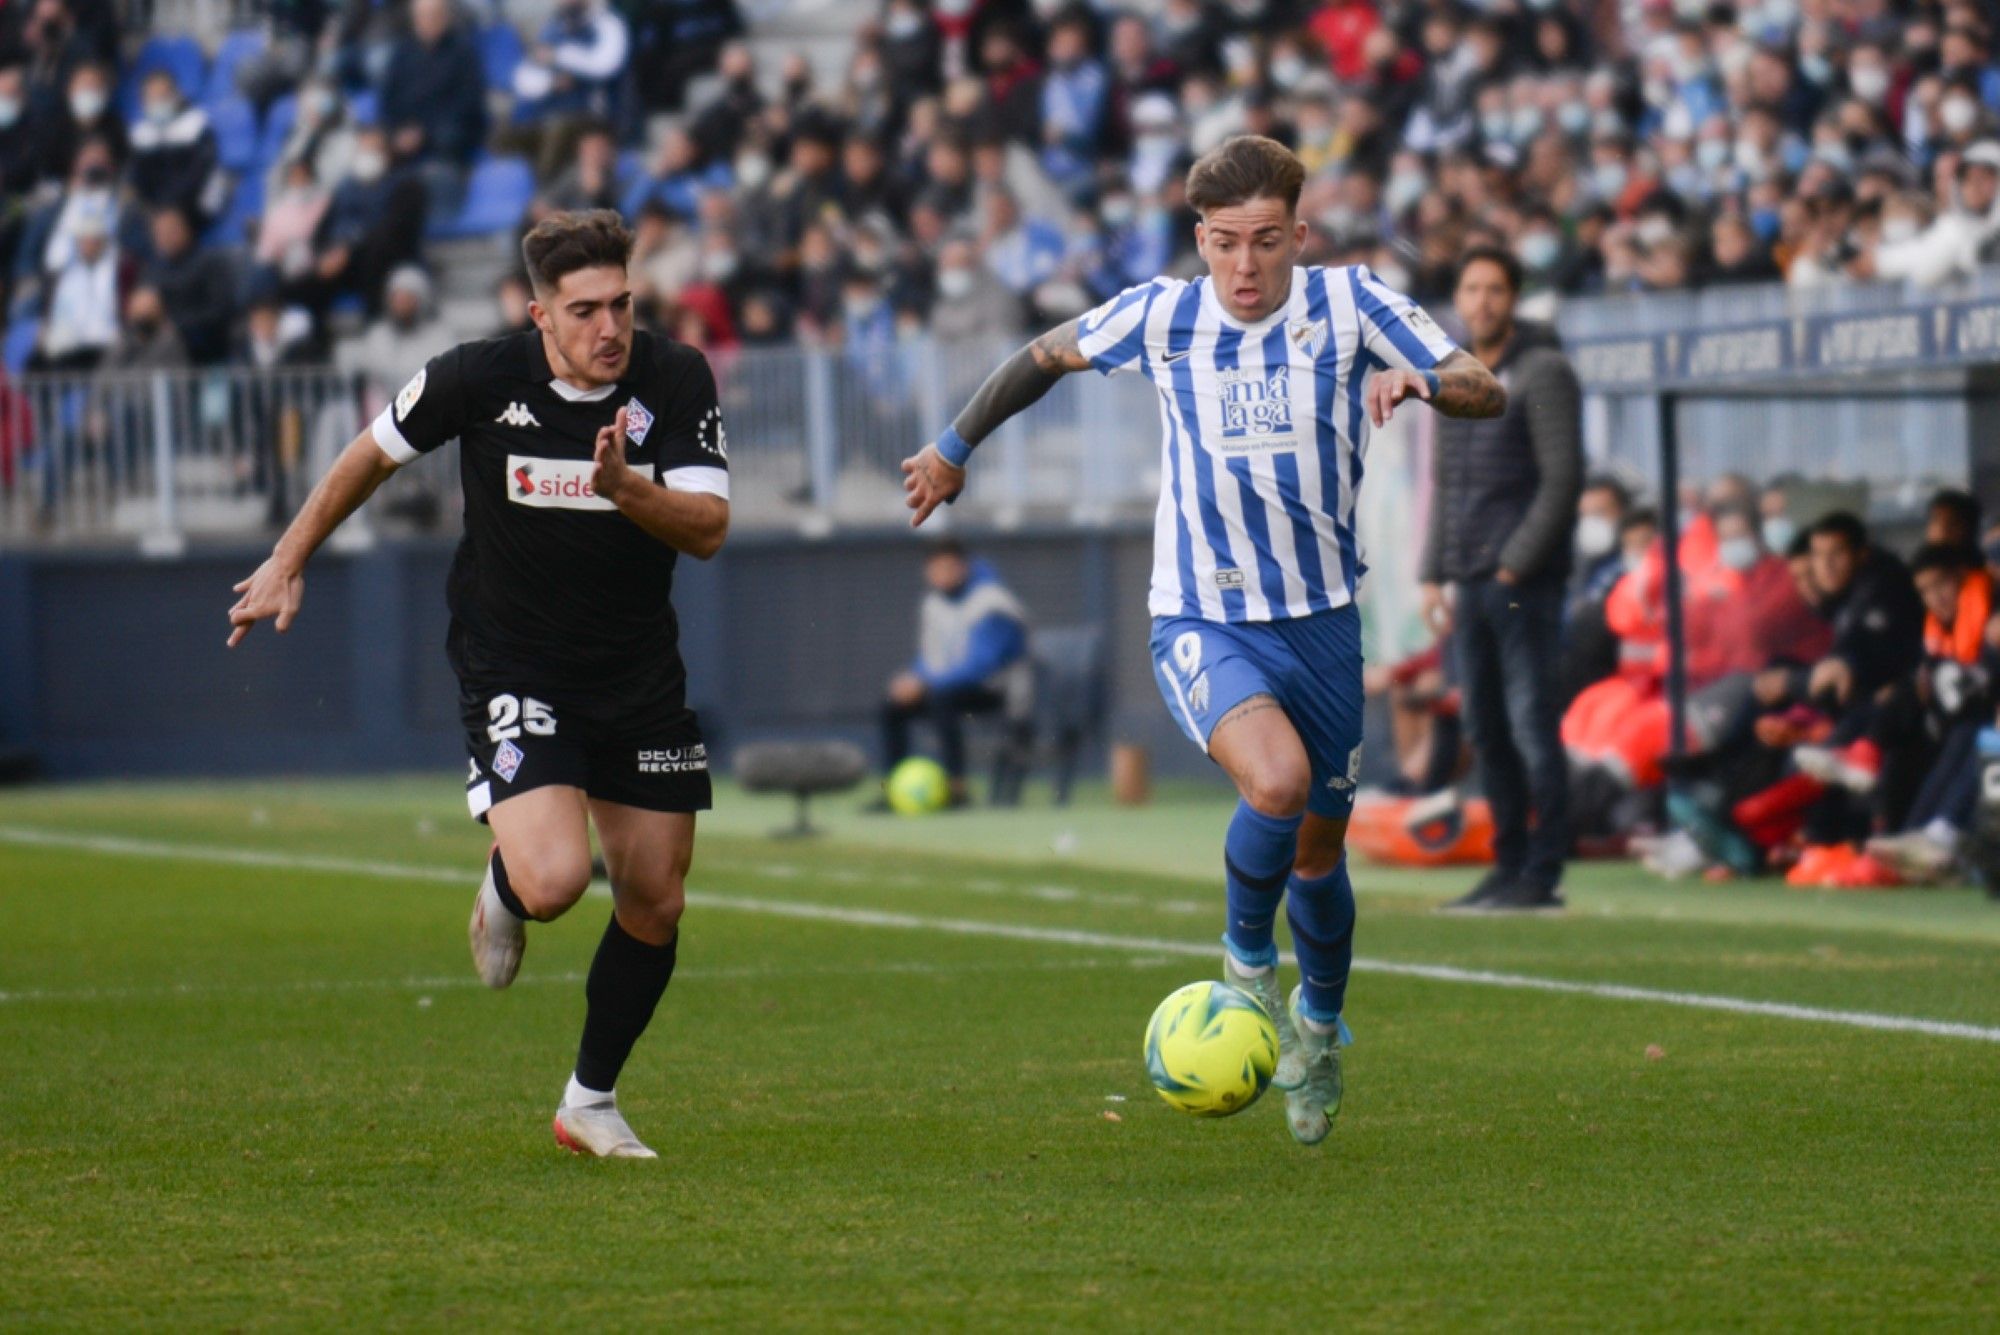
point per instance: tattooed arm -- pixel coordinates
(937, 473)
(1464, 388)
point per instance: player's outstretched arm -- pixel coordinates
(935, 474)
(687, 521)
(276, 587)
(1461, 386)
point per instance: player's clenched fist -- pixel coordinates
(273, 590)
(928, 482)
(613, 473)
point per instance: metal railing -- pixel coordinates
(815, 437)
(156, 457)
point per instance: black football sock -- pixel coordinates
(627, 979)
(508, 899)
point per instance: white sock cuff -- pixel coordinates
(576, 1095)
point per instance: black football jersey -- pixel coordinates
(551, 584)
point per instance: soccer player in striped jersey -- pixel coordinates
(1269, 375)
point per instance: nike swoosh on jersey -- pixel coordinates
(1169, 358)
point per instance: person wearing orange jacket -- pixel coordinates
(1904, 728)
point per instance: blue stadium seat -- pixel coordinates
(237, 48)
(20, 345)
(178, 55)
(500, 52)
(279, 118)
(364, 107)
(496, 195)
(246, 202)
(235, 124)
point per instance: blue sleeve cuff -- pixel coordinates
(1431, 379)
(953, 448)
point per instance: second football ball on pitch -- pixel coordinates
(918, 785)
(1211, 1049)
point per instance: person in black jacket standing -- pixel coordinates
(1503, 523)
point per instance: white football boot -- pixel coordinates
(1311, 1108)
(497, 936)
(1291, 1072)
(598, 1130)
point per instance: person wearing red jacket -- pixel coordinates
(1743, 612)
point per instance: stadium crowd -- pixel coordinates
(1841, 699)
(983, 164)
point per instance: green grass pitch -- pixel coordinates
(248, 1080)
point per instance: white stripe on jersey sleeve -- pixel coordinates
(707, 481)
(389, 437)
(1397, 329)
(1102, 333)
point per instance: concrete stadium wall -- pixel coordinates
(111, 665)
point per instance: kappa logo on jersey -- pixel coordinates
(553, 484)
(638, 421)
(674, 760)
(517, 414)
(507, 761)
(1255, 403)
(711, 436)
(1309, 336)
(411, 393)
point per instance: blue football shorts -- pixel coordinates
(1310, 665)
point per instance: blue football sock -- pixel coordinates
(1257, 856)
(1321, 913)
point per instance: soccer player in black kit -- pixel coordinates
(592, 456)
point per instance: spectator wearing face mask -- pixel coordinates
(85, 113)
(374, 223)
(291, 219)
(50, 238)
(20, 134)
(85, 298)
(1960, 240)
(322, 137)
(970, 301)
(1760, 615)
(1590, 650)
(1774, 518)
(174, 157)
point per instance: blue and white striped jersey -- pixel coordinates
(1264, 432)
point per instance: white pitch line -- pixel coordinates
(307, 986)
(878, 918)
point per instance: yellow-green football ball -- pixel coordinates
(917, 786)
(1211, 1049)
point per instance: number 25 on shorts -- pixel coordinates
(513, 714)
